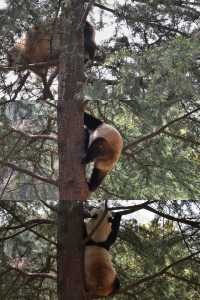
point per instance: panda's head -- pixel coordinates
(16, 54)
(105, 226)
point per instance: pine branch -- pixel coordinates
(29, 173)
(158, 274)
(160, 130)
(169, 217)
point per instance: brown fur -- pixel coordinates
(100, 274)
(39, 44)
(111, 147)
(42, 43)
(99, 271)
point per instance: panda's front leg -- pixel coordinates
(96, 150)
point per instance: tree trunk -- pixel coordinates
(70, 251)
(72, 182)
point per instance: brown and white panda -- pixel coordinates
(100, 276)
(42, 43)
(103, 146)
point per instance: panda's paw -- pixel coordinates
(84, 160)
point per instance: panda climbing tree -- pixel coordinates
(101, 229)
(103, 146)
(101, 232)
(38, 50)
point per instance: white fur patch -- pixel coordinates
(104, 229)
(114, 139)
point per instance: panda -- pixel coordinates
(89, 41)
(103, 146)
(100, 276)
(42, 43)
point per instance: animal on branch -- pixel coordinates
(43, 44)
(101, 277)
(103, 146)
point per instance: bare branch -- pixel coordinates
(34, 136)
(13, 235)
(29, 173)
(105, 8)
(132, 208)
(4, 205)
(28, 66)
(7, 183)
(20, 86)
(34, 222)
(169, 217)
(34, 275)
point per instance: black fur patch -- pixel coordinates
(116, 286)
(87, 139)
(96, 179)
(91, 122)
(98, 149)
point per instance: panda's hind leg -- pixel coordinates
(98, 149)
(96, 179)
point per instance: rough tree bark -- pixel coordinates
(70, 251)
(72, 184)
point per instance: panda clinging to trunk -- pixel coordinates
(103, 146)
(101, 277)
(43, 43)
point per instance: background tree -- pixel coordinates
(157, 260)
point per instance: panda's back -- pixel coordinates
(108, 132)
(99, 271)
(111, 135)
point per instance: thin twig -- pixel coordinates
(169, 217)
(7, 183)
(34, 275)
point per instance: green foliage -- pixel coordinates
(150, 79)
(141, 256)
(156, 87)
